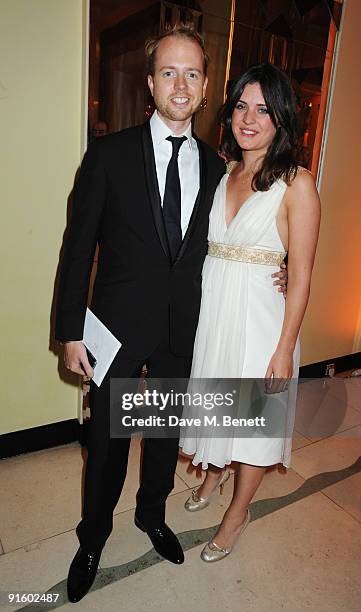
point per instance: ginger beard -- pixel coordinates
(179, 83)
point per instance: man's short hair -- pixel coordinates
(185, 31)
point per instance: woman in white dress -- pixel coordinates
(265, 207)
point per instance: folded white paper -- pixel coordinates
(101, 343)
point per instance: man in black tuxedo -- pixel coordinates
(144, 196)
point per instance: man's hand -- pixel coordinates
(282, 278)
(76, 359)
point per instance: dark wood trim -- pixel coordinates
(39, 438)
(342, 364)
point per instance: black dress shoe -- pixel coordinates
(164, 541)
(82, 573)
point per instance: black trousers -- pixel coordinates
(107, 462)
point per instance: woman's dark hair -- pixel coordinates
(280, 160)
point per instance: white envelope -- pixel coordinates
(101, 343)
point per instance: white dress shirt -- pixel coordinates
(188, 164)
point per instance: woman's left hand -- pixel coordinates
(279, 371)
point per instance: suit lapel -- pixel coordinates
(152, 185)
(198, 205)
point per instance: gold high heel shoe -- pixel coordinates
(212, 552)
(195, 502)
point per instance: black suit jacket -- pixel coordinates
(137, 291)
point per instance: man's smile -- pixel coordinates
(180, 100)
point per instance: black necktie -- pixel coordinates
(172, 199)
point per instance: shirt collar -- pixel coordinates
(160, 131)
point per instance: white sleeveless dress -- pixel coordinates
(240, 322)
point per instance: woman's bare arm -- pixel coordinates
(303, 217)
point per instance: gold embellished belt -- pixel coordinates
(247, 255)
